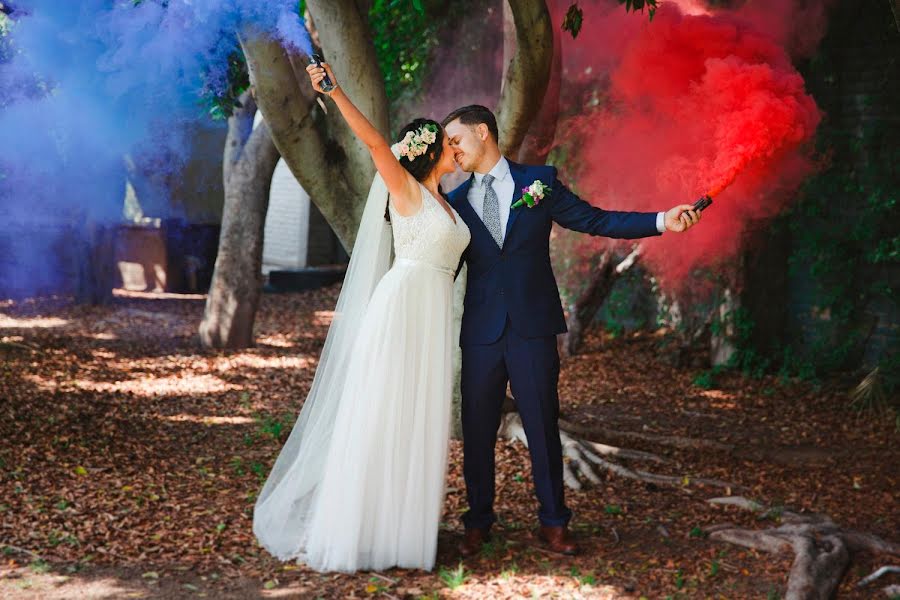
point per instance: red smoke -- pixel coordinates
(663, 112)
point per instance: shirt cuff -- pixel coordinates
(661, 222)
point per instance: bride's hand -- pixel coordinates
(317, 74)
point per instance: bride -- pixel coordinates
(360, 482)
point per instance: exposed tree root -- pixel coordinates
(822, 549)
(876, 574)
(10, 548)
(14, 346)
(583, 457)
(661, 440)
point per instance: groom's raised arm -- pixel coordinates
(572, 212)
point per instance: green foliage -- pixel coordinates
(259, 470)
(583, 579)
(221, 102)
(221, 98)
(39, 565)
(619, 312)
(842, 234)
(635, 5)
(573, 20)
(404, 36)
(707, 379)
(453, 578)
(510, 571)
(841, 251)
(612, 509)
(746, 358)
(273, 427)
(679, 579)
(846, 239)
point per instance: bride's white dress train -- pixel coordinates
(378, 496)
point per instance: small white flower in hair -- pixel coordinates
(415, 143)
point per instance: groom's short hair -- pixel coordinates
(474, 114)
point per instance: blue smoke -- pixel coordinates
(89, 86)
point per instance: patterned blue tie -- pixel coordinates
(491, 210)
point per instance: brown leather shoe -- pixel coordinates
(472, 541)
(557, 539)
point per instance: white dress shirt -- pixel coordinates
(504, 186)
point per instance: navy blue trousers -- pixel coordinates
(531, 366)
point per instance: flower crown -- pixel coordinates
(415, 143)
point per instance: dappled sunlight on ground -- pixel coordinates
(210, 420)
(9, 322)
(275, 341)
(324, 317)
(719, 395)
(511, 586)
(122, 293)
(36, 583)
(143, 387)
(255, 361)
(130, 460)
(153, 387)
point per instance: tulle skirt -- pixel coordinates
(380, 498)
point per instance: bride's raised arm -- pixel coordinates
(402, 186)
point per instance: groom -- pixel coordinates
(513, 313)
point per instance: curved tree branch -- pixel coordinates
(347, 46)
(323, 154)
(539, 139)
(289, 116)
(528, 74)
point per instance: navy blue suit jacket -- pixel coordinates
(518, 280)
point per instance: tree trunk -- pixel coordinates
(250, 159)
(527, 75)
(539, 138)
(321, 151)
(585, 308)
(722, 341)
(331, 164)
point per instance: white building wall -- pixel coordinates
(287, 221)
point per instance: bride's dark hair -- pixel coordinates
(420, 166)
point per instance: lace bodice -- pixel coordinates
(430, 235)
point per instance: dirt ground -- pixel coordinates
(130, 459)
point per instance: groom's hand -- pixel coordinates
(681, 218)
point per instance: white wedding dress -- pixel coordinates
(370, 495)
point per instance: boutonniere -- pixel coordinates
(532, 195)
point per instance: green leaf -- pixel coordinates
(573, 20)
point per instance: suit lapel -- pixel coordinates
(520, 180)
(460, 202)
